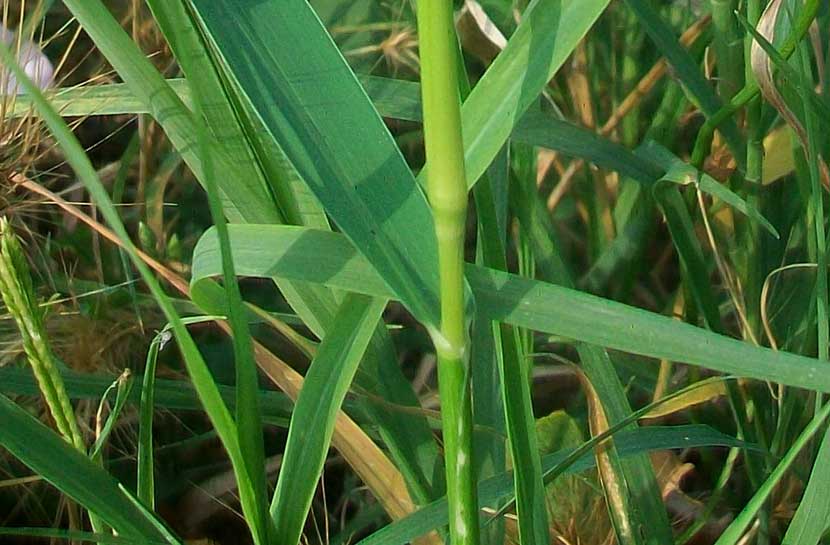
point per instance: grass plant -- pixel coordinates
(562, 209)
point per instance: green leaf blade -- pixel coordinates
(73, 473)
(312, 422)
(349, 160)
(329, 259)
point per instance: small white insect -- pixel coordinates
(31, 59)
(166, 337)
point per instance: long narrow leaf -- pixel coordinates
(328, 258)
(409, 440)
(312, 422)
(168, 394)
(407, 436)
(813, 514)
(393, 98)
(196, 366)
(519, 420)
(248, 414)
(72, 473)
(145, 471)
(637, 475)
(243, 197)
(547, 35)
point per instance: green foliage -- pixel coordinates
(660, 241)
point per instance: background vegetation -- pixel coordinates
(256, 293)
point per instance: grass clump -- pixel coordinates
(388, 237)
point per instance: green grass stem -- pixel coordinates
(447, 189)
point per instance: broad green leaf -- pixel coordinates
(560, 431)
(243, 197)
(208, 99)
(328, 258)
(396, 99)
(392, 98)
(409, 440)
(255, 154)
(601, 322)
(290, 253)
(100, 99)
(349, 160)
(408, 437)
(557, 431)
(73, 473)
(312, 422)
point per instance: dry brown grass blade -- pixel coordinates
(478, 34)
(652, 77)
(547, 159)
(579, 88)
(661, 389)
(696, 396)
(361, 453)
(815, 43)
(643, 88)
(765, 295)
(731, 282)
(610, 474)
(174, 279)
(762, 68)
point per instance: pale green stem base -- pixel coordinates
(456, 418)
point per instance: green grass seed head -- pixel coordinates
(21, 302)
